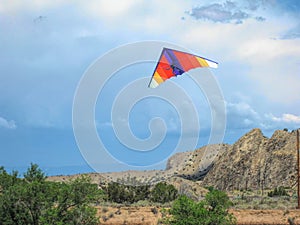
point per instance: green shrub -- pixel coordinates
(278, 191)
(121, 193)
(213, 210)
(163, 192)
(33, 200)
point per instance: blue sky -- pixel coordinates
(46, 46)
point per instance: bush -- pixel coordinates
(33, 200)
(163, 192)
(121, 193)
(211, 211)
(280, 191)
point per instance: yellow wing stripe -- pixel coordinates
(157, 78)
(202, 62)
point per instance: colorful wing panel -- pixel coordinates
(173, 63)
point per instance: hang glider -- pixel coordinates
(173, 63)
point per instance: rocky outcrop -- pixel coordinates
(253, 162)
(194, 165)
(256, 162)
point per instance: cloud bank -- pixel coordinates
(242, 116)
(227, 12)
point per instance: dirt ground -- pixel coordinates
(267, 217)
(129, 215)
(151, 215)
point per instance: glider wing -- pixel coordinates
(173, 63)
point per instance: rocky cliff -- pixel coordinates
(253, 162)
(256, 162)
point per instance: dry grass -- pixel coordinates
(254, 200)
(152, 215)
(133, 215)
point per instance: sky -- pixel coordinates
(47, 48)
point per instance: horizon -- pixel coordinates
(70, 170)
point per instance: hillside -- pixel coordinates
(256, 162)
(253, 162)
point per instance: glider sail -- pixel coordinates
(173, 63)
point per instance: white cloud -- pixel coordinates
(241, 115)
(286, 117)
(229, 11)
(224, 13)
(293, 33)
(15, 6)
(264, 49)
(109, 10)
(272, 64)
(242, 109)
(9, 124)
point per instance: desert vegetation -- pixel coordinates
(254, 174)
(31, 199)
(212, 210)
